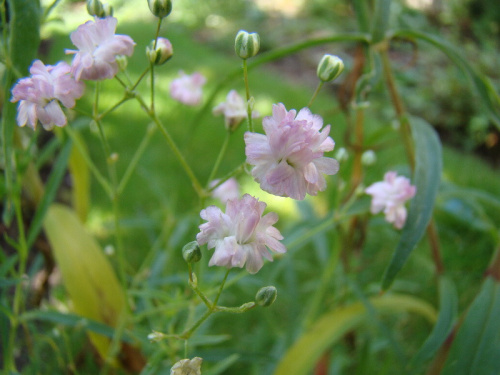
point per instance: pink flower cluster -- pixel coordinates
(187, 88)
(40, 95)
(98, 47)
(390, 196)
(288, 160)
(229, 189)
(241, 235)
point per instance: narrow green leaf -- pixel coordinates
(427, 176)
(448, 307)
(476, 348)
(223, 365)
(489, 96)
(362, 12)
(332, 326)
(380, 20)
(23, 44)
(73, 320)
(53, 183)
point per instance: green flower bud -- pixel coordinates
(329, 68)
(162, 53)
(160, 8)
(191, 252)
(246, 44)
(122, 62)
(368, 157)
(266, 296)
(95, 8)
(107, 10)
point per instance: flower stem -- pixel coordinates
(247, 90)
(316, 92)
(219, 158)
(173, 146)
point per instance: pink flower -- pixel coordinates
(40, 95)
(234, 110)
(229, 189)
(390, 195)
(240, 236)
(98, 47)
(289, 159)
(187, 88)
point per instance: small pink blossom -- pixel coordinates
(229, 189)
(40, 95)
(390, 196)
(289, 159)
(98, 47)
(241, 235)
(234, 110)
(187, 88)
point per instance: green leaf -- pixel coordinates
(53, 183)
(23, 44)
(73, 320)
(448, 307)
(331, 327)
(476, 348)
(24, 33)
(380, 20)
(426, 177)
(489, 96)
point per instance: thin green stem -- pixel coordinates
(135, 158)
(173, 146)
(316, 92)
(98, 176)
(115, 106)
(222, 152)
(221, 287)
(140, 78)
(152, 66)
(247, 90)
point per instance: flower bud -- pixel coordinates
(246, 44)
(341, 155)
(266, 296)
(162, 53)
(368, 157)
(160, 8)
(95, 8)
(107, 10)
(329, 68)
(191, 252)
(122, 62)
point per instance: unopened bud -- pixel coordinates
(246, 44)
(266, 296)
(329, 68)
(122, 62)
(160, 8)
(107, 10)
(95, 8)
(191, 252)
(368, 157)
(162, 53)
(341, 155)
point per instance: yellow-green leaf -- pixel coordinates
(303, 355)
(87, 275)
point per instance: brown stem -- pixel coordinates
(494, 268)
